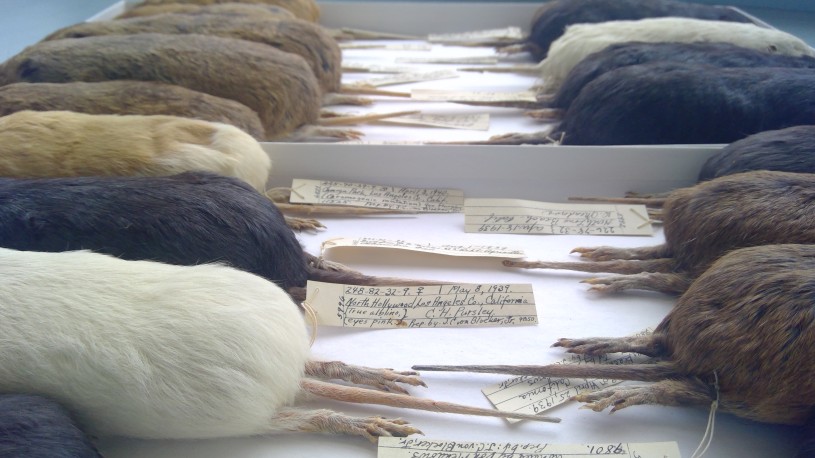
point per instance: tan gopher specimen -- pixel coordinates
(128, 97)
(226, 9)
(278, 85)
(297, 36)
(702, 223)
(748, 319)
(303, 9)
(44, 144)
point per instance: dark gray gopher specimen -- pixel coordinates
(303, 9)
(787, 150)
(186, 219)
(225, 9)
(38, 427)
(128, 97)
(306, 39)
(278, 85)
(702, 223)
(674, 103)
(552, 18)
(637, 53)
(747, 321)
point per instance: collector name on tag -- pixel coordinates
(404, 447)
(510, 216)
(432, 306)
(441, 249)
(426, 200)
(534, 395)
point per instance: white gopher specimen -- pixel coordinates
(306, 39)
(128, 97)
(303, 9)
(150, 350)
(45, 144)
(581, 40)
(224, 9)
(278, 85)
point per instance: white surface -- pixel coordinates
(565, 309)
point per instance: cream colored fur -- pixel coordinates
(580, 40)
(143, 349)
(62, 143)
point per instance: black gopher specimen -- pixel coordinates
(278, 85)
(675, 103)
(745, 325)
(306, 39)
(636, 53)
(551, 19)
(303, 9)
(702, 223)
(193, 218)
(128, 97)
(786, 150)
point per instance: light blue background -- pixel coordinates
(24, 22)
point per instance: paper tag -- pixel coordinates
(536, 394)
(475, 60)
(437, 95)
(510, 216)
(388, 46)
(360, 67)
(373, 34)
(459, 121)
(374, 196)
(404, 447)
(402, 78)
(506, 34)
(447, 250)
(434, 306)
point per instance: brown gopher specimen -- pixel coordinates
(128, 97)
(296, 36)
(701, 223)
(278, 85)
(748, 321)
(303, 9)
(225, 9)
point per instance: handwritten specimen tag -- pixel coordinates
(361, 34)
(374, 196)
(458, 121)
(434, 306)
(536, 394)
(401, 78)
(510, 216)
(506, 34)
(472, 60)
(365, 67)
(388, 46)
(448, 250)
(403, 447)
(438, 95)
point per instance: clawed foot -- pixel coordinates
(304, 224)
(617, 398)
(609, 285)
(375, 427)
(600, 253)
(593, 345)
(381, 379)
